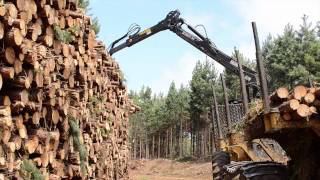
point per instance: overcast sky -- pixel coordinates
(164, 58)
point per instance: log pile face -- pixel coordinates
(63, 105)
(302, 103)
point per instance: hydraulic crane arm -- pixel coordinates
(174, 23)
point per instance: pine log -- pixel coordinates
(299, 92)
(280, 95)
(10, 55)
(14, 37)
(301, 113)
(32, 144)
(5, 101)
(11, 10)
(1, 30)
(7, 72)
(309, 98)
(289, 106)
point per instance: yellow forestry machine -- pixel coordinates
(254, 154)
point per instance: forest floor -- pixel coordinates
(164, 169)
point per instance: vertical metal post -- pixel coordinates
(226, 102)
(242, 84)
(261, 70)
(216, 114)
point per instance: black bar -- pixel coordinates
(226, 102)
(216, 114)
(261, 70)
(242, 84)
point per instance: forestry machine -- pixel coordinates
(238, 157)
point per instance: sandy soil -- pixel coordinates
(163, 169)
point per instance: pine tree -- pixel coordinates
(293, 56)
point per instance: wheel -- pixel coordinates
(219, 159)
(257, 171)
(265, 171)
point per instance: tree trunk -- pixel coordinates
(167, 142)
(159, 144)
(153, 150)
(171, 142)
(147, 148)
(181, 139)
(140, 149)
(135, 146)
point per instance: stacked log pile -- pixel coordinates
(63, 105)
(301, 103)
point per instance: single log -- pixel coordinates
(10, 55)
(2, 10)
(301, 113)
(32, 144)
(5, 101)
(309, 98)
(11, 146)
(312, 110)
(299, 92)
(6, 135)
(7, 72)
(14, 37)
(19, 121)
(65, 50)
(59, 4)
(1, 30)
(57, 47)
(36, 118)
(23, 132)
(6, 122)
(18, 142)
(280, 95)
(11, 10)
(289, 106)
(5, 111)
(54, 116)
(1, 82)
(45, 159)
(39, 79)
(17, 65)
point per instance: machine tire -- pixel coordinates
(260, 171)
(219, 159)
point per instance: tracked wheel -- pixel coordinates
(219, 160)
(256, 171)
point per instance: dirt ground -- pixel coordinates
(163, 169)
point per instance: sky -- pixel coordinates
(164, 57)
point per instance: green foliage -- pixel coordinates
(63, 35)
(294, 56)
(233, 80)
(30, 170)
(203, 79)
(74, 29)
(78, 144)
(95, 26)
(84, 4)
(159, 112)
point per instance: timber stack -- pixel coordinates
(63, 105)
(300, 104)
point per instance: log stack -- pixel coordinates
(301, 103)
(63, 105)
